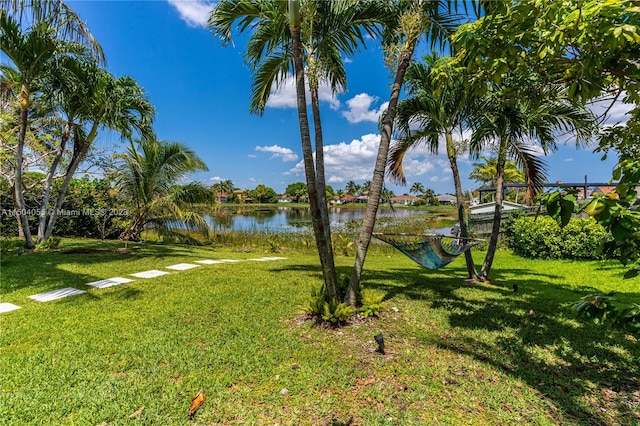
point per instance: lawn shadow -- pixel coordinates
(587, 371)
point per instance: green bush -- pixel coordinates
(372, 303)
(336, 312)
(542, 238)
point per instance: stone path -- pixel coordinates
(110, 282)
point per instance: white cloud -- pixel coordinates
(355, 161)
(347, 60)
(286, 154)
(360, 109)
(194, 12)
(216, 179)
(252, 156)
(284, 96)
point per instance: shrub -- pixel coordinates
(336, 312)
(372, 303)
(542, 238)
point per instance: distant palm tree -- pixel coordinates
(148, 178)
(417, 188)
(365, 187)
(351, 188)
(486, 172)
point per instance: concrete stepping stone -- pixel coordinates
(149, 274)
(182, 266)
(209, 261)
(109, 282)
(267, 259)
(56, 294)
(8, 307)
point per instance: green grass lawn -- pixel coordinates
(456, 353)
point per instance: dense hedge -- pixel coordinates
(542, 238)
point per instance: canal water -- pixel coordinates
(291, 219)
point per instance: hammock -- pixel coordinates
(430, 251)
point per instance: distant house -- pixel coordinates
(346, 199)
(362, 199)
(222, 197)
(446, 199)
(285, 199)
(405, 200)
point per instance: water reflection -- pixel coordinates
(289, 219)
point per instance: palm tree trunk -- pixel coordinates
(44, 203)
(18, 184)
(320, 176)
(332, 291)
(497, 215)
(460, 203)
(78, 155)
(378, 177)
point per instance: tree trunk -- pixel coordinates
(378, 177)
(332, 291)
(44, 203)
(497, 215)
(76, 159)
(320, 179)
(18, 184)
(460, 206)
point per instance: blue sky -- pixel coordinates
(201, 94)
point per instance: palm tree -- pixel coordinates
(57, 15)
(511, 122)
(417, 188)
(365, 187)
(408, 22)
(436, 112)
(329, 30)
(149, 173)
(486, 171)
(351, 188)
(33, 54)
(98, 101)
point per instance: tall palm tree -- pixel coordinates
(33, 54)
(408, 23)
(351, 188)
(328, 31)
(431, 113)
(511, 122)
(148, 177)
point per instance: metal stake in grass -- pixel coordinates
(380, 342)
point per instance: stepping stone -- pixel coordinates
(109, 282)
(149, 274)
(8, 307)
(56, 294)
(267, 259)
(209, 261)
(182, 266)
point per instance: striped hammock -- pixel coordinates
(431, 251)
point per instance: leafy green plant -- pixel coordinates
(314, 305)
(601, 309)
(343, 245)
(51, 244)
(336, 312)
(372, 303)
(272, 243)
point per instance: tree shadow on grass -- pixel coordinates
(590, 373)
(46, 270)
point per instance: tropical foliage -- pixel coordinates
(149, 176)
